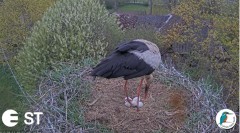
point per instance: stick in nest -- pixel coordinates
(90, 104)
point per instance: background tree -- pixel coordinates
(209, 33)
(16, 20)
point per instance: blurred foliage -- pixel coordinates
(134, 8)
(122, 5)
(160, 10)
(113, 4)
(16, 20)
(11, 98)
(159, 7)
(163, 7)
(71, 30)
(109, 4)
(209, 31)
(147, 32)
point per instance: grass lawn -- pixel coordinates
(134, 8)
(157, 9)
(10, 98)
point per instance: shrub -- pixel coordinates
(69, 31)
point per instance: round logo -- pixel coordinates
(9, 119)
(226, 119)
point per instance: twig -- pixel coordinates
(90, 104)
(19, 85)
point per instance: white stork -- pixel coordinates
(137, 58)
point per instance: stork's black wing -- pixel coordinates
(118, 64)
(122, 63)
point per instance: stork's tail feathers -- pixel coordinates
(101, 70)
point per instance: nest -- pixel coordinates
(71, 102)
(60, 96)
(164, 109)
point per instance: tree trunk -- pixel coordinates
(115, 5)
(150, 3)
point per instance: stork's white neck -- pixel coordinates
(149, 57)
(152, 46)
(152, 56)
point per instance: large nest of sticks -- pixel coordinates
(72, 102)
(165, 109)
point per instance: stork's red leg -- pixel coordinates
(148, 79)
(138, 92)
(126, 92)
(146, 92)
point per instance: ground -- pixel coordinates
(164, 110)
